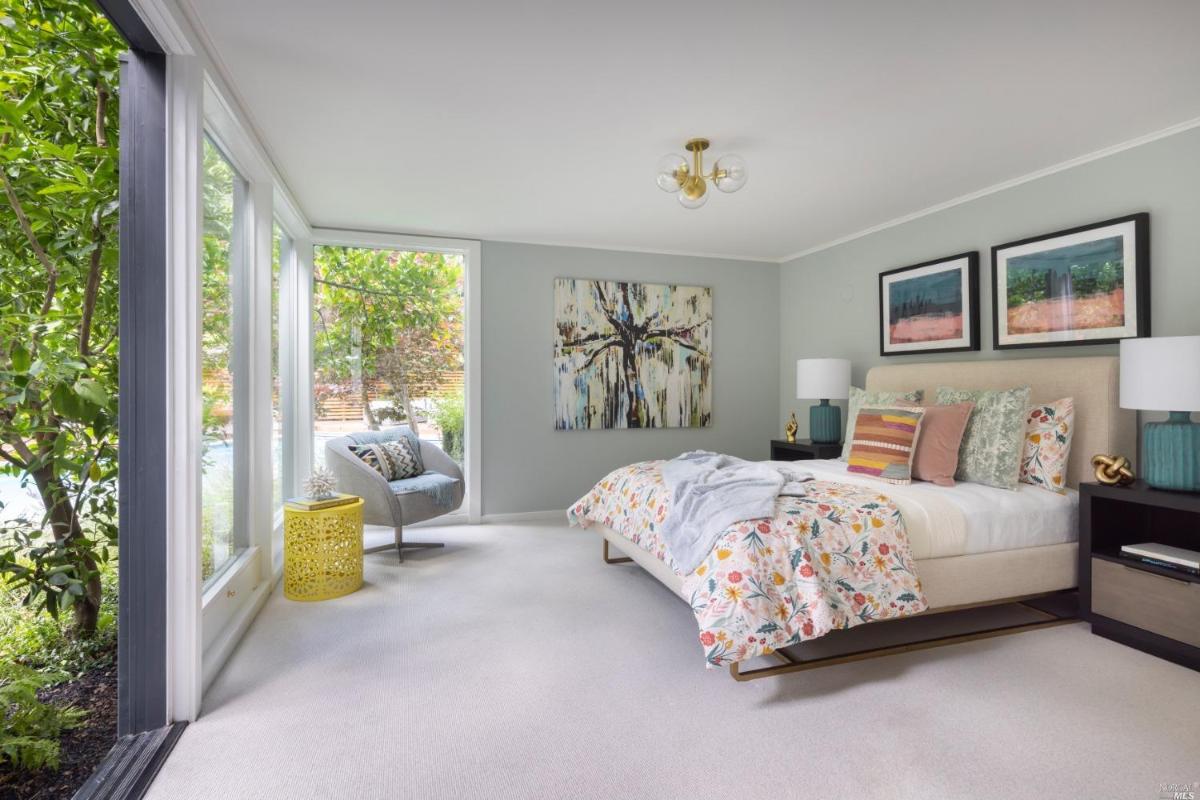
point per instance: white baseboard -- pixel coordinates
(559, 514)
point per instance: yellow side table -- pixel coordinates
(322, 551)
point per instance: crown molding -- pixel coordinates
(321, 230)
(1000, 187)
(623, 249)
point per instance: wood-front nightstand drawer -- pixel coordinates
(1167, 606)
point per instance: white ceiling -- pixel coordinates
(542, 120)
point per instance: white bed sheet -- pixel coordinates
(969, 518)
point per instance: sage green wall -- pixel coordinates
(527, 464)
(829, 303)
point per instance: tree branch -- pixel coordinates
(18, 444)
(101, 115)
(16, 462)
(91, 290)
(364, 290)
(111, 337)
(38, 250)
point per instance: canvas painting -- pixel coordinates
(932, 307)
(1084, 286)
(631, 355)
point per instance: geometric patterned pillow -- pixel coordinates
(406, 462)
(885, 440)
(1048, 433)
(393, 460)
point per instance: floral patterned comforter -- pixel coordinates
(835, 558)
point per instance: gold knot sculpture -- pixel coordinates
(791, 428)
(1113, 470)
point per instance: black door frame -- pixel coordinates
(142, 453)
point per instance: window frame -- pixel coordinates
(471, 251)
(295, 293)
(241, 265)
(231, 600)
(163, 665)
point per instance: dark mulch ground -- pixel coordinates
(82, 748)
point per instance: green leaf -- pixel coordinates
(59, 188)
(10, 113)
(91, 391)
(67, 403)
(20, 358)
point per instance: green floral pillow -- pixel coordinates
(859, 398)
(992, 445)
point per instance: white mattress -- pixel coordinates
(969, 518)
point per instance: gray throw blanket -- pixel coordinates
(710, 492)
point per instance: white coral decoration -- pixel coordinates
(320, 484)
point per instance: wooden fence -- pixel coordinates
(348, 409)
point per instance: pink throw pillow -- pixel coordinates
(937, 448)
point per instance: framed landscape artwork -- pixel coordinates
(1086, 285)
(631, 355)
(932, 307)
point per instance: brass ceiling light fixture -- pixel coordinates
(675, 175)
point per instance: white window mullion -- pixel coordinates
(257, 478)
(300, 336)
(241, 365)
(185, 141)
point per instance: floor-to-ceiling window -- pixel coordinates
(388, 344)
(223, 196)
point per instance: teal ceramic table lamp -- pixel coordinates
(1163, 374)
(823, 379)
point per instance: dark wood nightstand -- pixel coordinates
(803, 449)
(1155, 609)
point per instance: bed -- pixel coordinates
(971, 545)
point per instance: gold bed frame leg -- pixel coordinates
(792, 665)
(610, 560)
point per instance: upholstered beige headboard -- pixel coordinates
(1101, 425)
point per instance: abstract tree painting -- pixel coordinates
(631, 355)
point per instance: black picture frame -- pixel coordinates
(970, 303)
(1141, 276)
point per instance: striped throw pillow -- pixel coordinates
(885, 440)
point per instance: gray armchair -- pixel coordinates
(436, 492)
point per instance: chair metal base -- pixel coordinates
(400, 545)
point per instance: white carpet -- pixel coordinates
(516, 664)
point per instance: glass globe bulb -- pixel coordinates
(731, 172)
(688, 201)
(672, 170)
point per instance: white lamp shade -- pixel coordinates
(1161, 374)
(822, 379)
